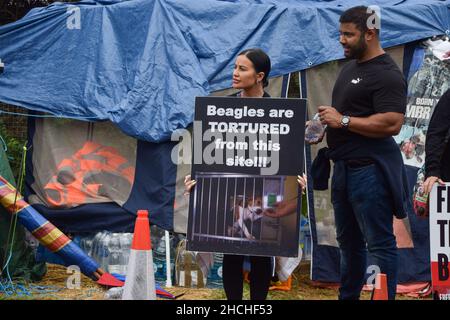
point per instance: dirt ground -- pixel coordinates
(53, 287)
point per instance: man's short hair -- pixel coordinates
(360, 16)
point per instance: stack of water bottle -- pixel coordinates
(110, 250)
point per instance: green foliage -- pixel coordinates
(14, 148)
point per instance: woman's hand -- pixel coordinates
(302, 182)
(429, 182)
(188, 184)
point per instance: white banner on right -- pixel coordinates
(440, 240)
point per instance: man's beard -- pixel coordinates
(357, 51)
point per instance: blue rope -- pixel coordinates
(10, 288)
(20, 289)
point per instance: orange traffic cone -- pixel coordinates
(380, 292)
(140, 279)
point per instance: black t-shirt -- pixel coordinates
(363, 89)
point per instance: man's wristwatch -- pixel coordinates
(345, 121)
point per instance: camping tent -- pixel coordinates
(139, 63)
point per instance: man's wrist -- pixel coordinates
(345, 122)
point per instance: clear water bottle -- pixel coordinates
(114, 293)
(95, 247)
(115, 263)
(87, 244)
(125, 246)
(96, 242)
(154, 234)
(315, 130)
(103, 250)
(161, 248)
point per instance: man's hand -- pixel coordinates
(330, 116)
(429, 182)
(447, 55)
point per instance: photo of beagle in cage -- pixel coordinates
(247, 213)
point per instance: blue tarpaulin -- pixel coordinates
(140, 63)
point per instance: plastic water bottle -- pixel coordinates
(87, 244)
(125, 246)
(103, 250)
(96, 248)
(315, 130)
(115, 261)
(114, 293)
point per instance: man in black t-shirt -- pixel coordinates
(374, 87)
(368, 105)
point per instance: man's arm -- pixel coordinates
(379, 125)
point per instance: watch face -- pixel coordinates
(345, 120)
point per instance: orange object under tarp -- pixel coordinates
(72, 185)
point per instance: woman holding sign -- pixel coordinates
(250, 75)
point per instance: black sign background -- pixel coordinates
(292, 144)
(291, 163)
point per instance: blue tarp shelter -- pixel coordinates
(138, 63)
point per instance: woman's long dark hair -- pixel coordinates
(261, 62)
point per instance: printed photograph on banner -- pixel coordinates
(426, 86)
(247, 154)
(440, 241)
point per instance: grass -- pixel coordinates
(56, 278)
